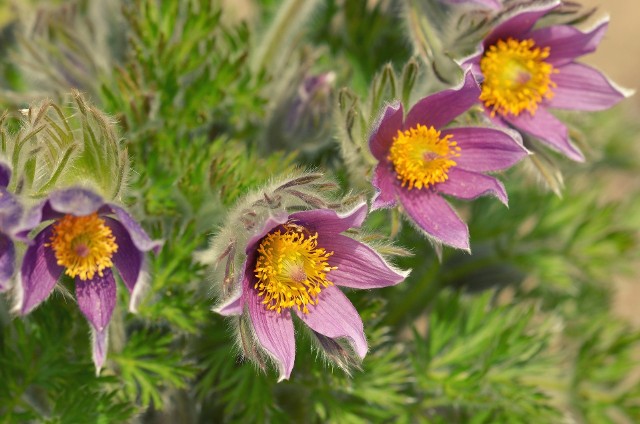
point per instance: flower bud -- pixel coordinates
(64, 145)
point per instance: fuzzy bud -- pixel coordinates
(301, 116)
(65, 145)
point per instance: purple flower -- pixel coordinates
(84, 237)
(525, 71)
(294, 264)
(10, 215)
(419, 161)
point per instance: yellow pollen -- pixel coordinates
(84, 245)
(516, 77)
(291, 269)
(421, 158)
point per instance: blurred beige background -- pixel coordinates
(619, 57)
(619, 53)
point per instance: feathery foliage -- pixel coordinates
(180, 109)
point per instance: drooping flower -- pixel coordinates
(84, 237)
(294, 265)
(10, 215)
(525, 70)
(419, 160)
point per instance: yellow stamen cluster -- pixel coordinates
(84, 245)
(516, 77)
(421, 158)
(291, 269)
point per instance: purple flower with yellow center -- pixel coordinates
(524, 71)
(419, 160)
(84, 237)
(10, 215)
(294, 265)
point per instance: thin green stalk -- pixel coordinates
(289, 20)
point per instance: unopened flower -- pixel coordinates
(524, 71)
(312, 102)
(84, 237)
(419, 160)
(300, 115)
(294, 265)
(10, 215)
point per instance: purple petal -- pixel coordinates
(75, 201)
(384, 180)
(329, 221)
(438, 109)
(580, 87)
(472, 62)
(99, 344)
(567, 43)
(334, 316)
(518, 25)
(470, 185)
(97, 298)
(7, 260)
(486, 149)
(139, 237)
(40, 272)
(10, 212)
(36, 215)
(271, 223)
(385, 129)
(274, 332)
(548, 129)
(234, 304)
(359, 266)
(434, 215)
(128, 259)
(5, 175)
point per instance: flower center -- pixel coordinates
(516, 77)
(84, 245)
(421, 157)
(291, 269)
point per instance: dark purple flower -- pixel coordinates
(294, 264)
(419, 160)
(10, 215)
(84, 238)
(524, 71)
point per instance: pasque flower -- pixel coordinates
(10, 215)
(294, 265)
(526, 70)
(84, 237)
(419, 161)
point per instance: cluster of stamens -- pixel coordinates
(84, 245)
(421, 157)
(516, 77)
(291, 269)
